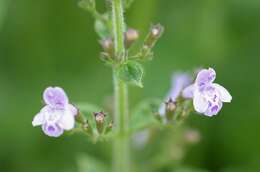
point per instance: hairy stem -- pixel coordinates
(121, 147)
(121, 159)
(118, 29)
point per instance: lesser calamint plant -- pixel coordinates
(116, 38)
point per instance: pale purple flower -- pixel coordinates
(179, 82)
(57, 115)
(208, 97)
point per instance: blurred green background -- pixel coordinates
(47, 42)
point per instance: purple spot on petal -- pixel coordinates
(51, 129)
(214, 108)
(201, 84)
(215, 97)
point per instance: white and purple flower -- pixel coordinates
(208, 97)
(57, 115)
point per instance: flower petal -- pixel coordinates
(52, 130)
(188, 91)
(199, 102)
(205, 76)
(213, 109)
(179, 82)
(55, 97)
(73, 109)
(162, 109)
(38, 119)
(67, 120)
(224, 94)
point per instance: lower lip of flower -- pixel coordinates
(214, 108)
(51, 129)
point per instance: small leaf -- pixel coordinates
(131, 72)
(144, 115)
(102, 28)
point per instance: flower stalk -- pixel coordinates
(121, 145)
(118, 29)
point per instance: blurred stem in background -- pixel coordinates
(3, 9)
(121, 157)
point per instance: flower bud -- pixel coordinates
(131, 35)
(170, 108)
(80, 118)
(85, 126)
(156, 31)
(154, 34)
(100, 117)
(100, 120)
(192, 136)
(170, 105)
(108, 46)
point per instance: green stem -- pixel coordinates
(121, 152)
(121, 145)
(118, 29)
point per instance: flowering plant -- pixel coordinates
(116, 38)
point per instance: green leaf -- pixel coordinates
(144, 115)
(131, 72)
(90, 164)
(102, 28)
